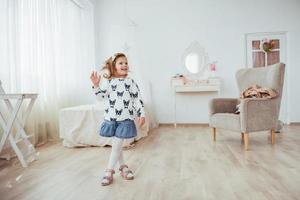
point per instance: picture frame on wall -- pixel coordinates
(263, 49)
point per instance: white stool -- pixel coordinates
(14, 121)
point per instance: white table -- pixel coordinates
(13, 121)
(208, 85)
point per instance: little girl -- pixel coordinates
(122, 102)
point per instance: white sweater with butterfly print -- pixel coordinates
(122, 99)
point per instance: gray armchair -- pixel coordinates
(255, 114)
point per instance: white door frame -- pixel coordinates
(282, 36)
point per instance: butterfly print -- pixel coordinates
(96, 93)
(120, 94)
(142, 103)
(119, 112)
(134, 95)
(127, 87)
(112, 103)
(139, 112)
(126, 103)
(130, 112)
(113, 87)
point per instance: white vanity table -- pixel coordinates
(196, 87)
(199, 86)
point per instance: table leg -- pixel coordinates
(8, 126)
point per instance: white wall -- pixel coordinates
(166, 28)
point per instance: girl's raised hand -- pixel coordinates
(95, 79)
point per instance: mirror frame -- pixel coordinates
(195, 48)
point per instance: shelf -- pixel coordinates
(197, 88)
(18, 96)
(206, 85)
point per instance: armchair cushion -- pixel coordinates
(227, 121)
(258, 114)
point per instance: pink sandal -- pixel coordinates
(127, 173)
(107, 180)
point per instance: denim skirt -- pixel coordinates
(121, 129)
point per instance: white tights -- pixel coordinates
(116, 153)
(115, 156)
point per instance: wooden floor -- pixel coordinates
(181, 163)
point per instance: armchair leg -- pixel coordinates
(272, 136)
(246, 141)
(214, 134)
(242, 137)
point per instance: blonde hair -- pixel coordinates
(110, 65)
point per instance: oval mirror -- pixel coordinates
(195, 59)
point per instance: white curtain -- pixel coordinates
(47, 47)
